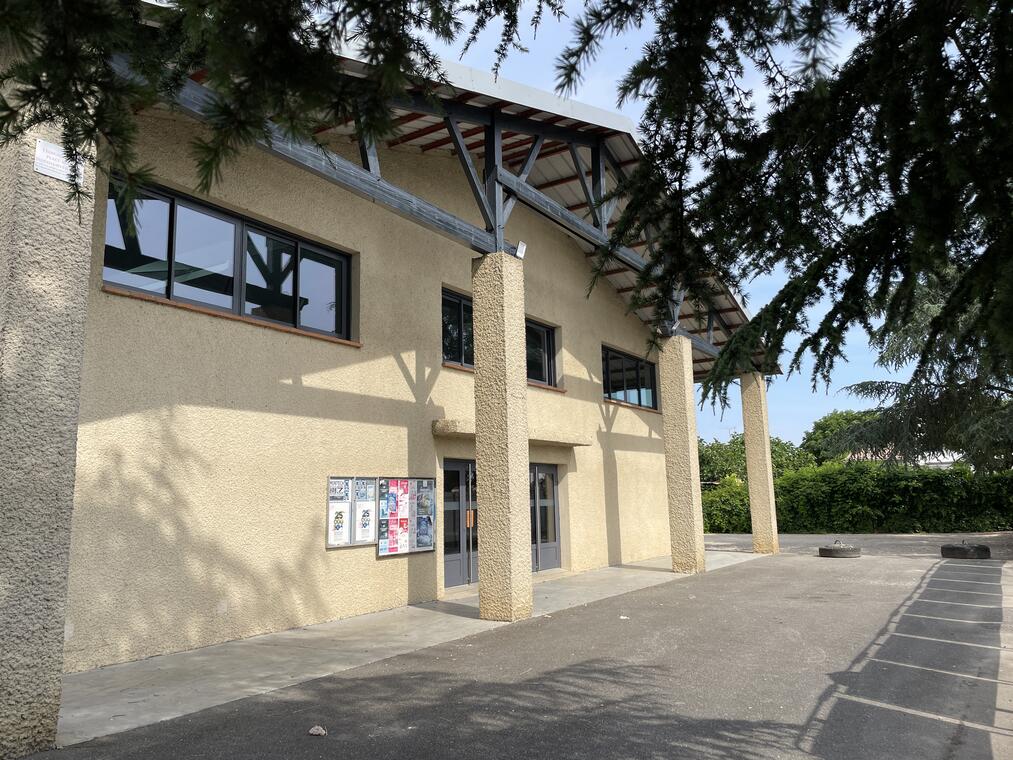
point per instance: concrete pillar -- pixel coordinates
(759, 469)
(501, 438)
(45, 258)
(682, 465)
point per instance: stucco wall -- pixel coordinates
(205, 444)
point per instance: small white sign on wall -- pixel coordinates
(49, 160)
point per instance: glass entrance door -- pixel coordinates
(545, 553)
(460, 523)
(460, 520)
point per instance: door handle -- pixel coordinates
(470, 519)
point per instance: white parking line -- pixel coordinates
(951, 641)
(961, 591)
(959, 604)
(952, 620)
(943, 672)
(959, 580)
(931, 716)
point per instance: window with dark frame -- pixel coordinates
(539, 343)
(191, 252)
(458, 338)
(628, 379)
(459, 347)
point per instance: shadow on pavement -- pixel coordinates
(453, 608)
(593, 709)
(648, 568)
(932, 684)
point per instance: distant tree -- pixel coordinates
(719, 459)
(965, 408)
(830, 435)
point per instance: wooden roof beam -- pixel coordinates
(551, 148)
(438, 127)
(524, 143)
(576, 177)
(426, 130)
(477, 131)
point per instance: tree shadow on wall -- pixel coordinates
(149, 572)
(175, 549)
(612, 444)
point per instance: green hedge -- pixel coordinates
(726, 507)
(861, 497)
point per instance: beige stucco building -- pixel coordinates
(244, 346)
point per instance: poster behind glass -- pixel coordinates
(351, 511)
(406, 515)
(339, 509)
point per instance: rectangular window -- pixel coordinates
(139, 260)
(454, 349)
(270, 277)
(323, 291)
(204, 258)
(226, 262)
(541, 352)
(614, 375)
(459, 348)
(467, 335)
(628, 379)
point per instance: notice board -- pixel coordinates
(406, 516)
(351, 511)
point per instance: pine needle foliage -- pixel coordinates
(864, 179)
(869, 174)
(268, 61)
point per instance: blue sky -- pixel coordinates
(793, 402)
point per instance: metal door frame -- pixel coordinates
(536, 546)
(468, 558)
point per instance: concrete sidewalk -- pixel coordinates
(120, 697)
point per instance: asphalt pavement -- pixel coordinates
(888, 656)
(873, 544)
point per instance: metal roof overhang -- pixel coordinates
(557, 156)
